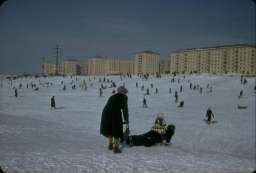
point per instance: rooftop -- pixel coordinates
(215, 47)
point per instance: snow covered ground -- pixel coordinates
(36, 139)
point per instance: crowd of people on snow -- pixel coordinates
(116, 107)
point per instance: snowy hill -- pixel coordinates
(34, 138)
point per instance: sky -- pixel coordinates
(31, 29)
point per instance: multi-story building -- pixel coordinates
(126, 66)
(84, 67)
(71, 67)
(146, 62)
(109, 66)
(164, 66)
(96, 66)
(221, 59)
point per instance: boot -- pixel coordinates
(110, 146)
(117, 150)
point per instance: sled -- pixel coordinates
(241, 107)
(211, 122)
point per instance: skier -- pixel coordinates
(112, 121)
(181, 88)
(156, 90)
(160, 133)
(209, 115)
(53, 103)
(170, 90)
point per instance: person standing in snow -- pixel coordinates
(112, 120)
(144, 105)
(53, 103)
(209, 115)
(176, 96)
(15, 92)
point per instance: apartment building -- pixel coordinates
(96, 66)
(218, 60)
(109, 66)
(146, 62)
(164, 66)
(71, 67)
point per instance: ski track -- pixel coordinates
(35, 139)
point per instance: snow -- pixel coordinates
(36, 139)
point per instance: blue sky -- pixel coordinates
(30, 29)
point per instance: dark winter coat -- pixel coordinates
(111, 119)
(52, 102)
(150, 138)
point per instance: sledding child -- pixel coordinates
(160, 133)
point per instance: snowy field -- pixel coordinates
(36, 139)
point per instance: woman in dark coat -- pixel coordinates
(112, 121)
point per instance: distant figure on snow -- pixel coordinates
(209, 115)
(15, 92)
(176, 96)
(101, 92)
(181, 105)
(240, 94)
(144, 103)
(112, 120)
(160, 133)
(53, 103)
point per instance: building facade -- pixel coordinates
(71, 67)
(217, 60)
(109, 66)
(146, 62)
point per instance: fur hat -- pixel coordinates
(160, 115)
(122, 90)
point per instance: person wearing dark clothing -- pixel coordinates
(209, 115)
(144, 105)
(176, 96)
(181, 104)
(151, 138)
(15, 92)
(112, 121)
(1, 171)
(240, 94)
(160, 133)
(53, 103)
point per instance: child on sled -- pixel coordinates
(160, 133)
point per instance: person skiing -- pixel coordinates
(160, 133)
(209, 115)
(53, 102)
(111, 119)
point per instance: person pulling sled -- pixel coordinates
(112, 120)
